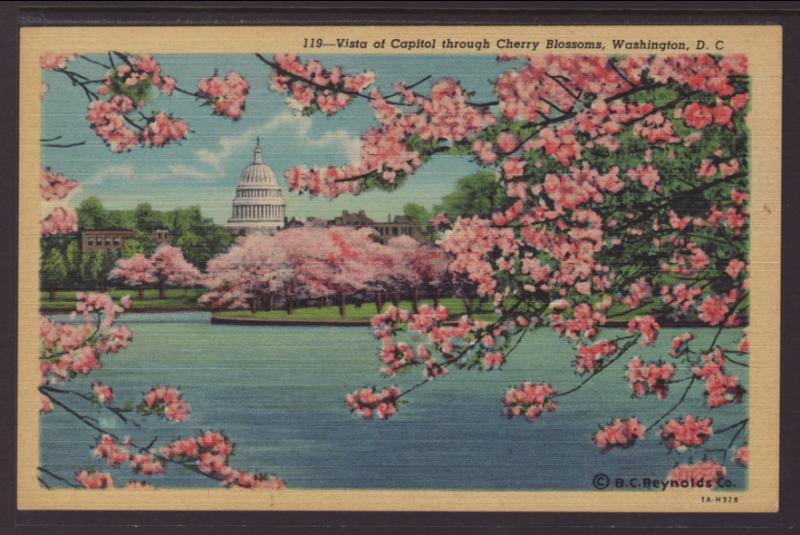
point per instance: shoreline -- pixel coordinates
(217, 320)
(289, 322)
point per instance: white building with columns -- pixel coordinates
(258, 207)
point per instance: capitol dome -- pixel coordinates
(258, 207)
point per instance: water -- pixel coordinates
(278, 393)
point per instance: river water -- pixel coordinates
(277, 392)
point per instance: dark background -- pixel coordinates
(13, 15)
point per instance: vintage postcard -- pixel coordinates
(519, 268)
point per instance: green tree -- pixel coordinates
(53, 272)
(418, 214)
(146, 219)
(131, 248)
(72, 258)
(91, 214)
(194, 248)
(478, 194)
(96, 267)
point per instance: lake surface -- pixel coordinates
(278, 392)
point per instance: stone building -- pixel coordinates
(113, 240)
(393, 227)
(258, 206)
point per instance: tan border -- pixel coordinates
(761, 43)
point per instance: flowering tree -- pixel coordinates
(137, 272)
(626, 180)
(306, 261)
(250, 272)
(170, 268)
(417, 264)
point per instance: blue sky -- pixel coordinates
(204, 169)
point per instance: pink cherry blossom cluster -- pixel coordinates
(720, 388)
(705, 473)
(742, 456)
(649, 378)
(91, 479)
(680, 344)
(167, 402)
(110, 118)
(680, 434)
(529, 400)
(227, 96)
(59, 221)
(647, 326)
(699, 116)
(69, 350)
(138, 69)
(470, 241)
(554, 83)
(55, 186)
(51, 61)
(589, 357)
(585, 321)
(210, 453)
(107, 119)
(619, 433)
(102, 394)
(369, 402)
(309, 86)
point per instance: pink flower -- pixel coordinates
(619, 433)
(649, 378)
(55, 186)
(529, 400)
(713, 310)
(59, 221)
(734, 267)
(227, 96)
(681, 434)
(647, 326)
(165, 401)
(493, 360)
(697, 115)
(507, 142)
(102, 394)
(94, 480)
(369, 401)
(588, 357)
(703, 474)
(742, 456)
(720, 388)
(114, 453)
(50, 61)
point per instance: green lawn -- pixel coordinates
(365, 312)
(176, 298)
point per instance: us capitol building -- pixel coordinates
(258, 207)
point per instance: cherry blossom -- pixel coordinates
(688, 432)
(619, 433)
(227, 96)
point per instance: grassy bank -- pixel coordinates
(365, 312)
(176, 299)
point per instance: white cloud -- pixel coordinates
(117, 171)
(290, 126)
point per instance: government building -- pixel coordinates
(258, 206)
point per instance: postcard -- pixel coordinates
(401, 268)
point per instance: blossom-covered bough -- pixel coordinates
(118, 97)
(71, 350)
(627, 203)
